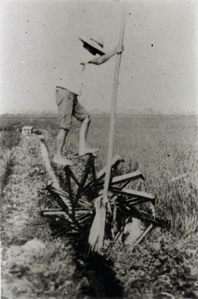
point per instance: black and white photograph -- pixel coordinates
(99, 149)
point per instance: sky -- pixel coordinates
(158, 72)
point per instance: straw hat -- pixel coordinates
(97, 44)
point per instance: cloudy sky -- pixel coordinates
(159, 64)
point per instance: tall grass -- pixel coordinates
(6, 164)
(164, 149)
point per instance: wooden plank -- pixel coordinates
(131, 192)
(137, 200)
(115, 161)
(84, 177)
(100, 175)
(144, 216)
(63, 201)
(113, 108)
(53, 210)
(96, 236)
(125, 177)
(67, 173)
(74, 178)
(60, 214)
(53, 213)
(93, 170)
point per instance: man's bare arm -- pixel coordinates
(102, 59)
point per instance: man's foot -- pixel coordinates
(87, 150)
(62, 160)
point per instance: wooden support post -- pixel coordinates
(68, 178)
(100, 175)
(85, 175)
(67, 173)
(113, 110)
(96, 237)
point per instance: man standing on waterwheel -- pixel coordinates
(68, 88)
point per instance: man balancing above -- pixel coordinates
(67, 92)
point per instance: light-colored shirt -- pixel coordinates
(69, 73)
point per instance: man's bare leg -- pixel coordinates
(83, 146)
(60, 141)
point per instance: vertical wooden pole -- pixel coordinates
(113, 110)
(97, 232)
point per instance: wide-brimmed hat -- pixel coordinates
(97, 44)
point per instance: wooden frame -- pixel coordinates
(127, 198)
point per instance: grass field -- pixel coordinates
(164, 148)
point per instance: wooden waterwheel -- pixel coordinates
(79, 201)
